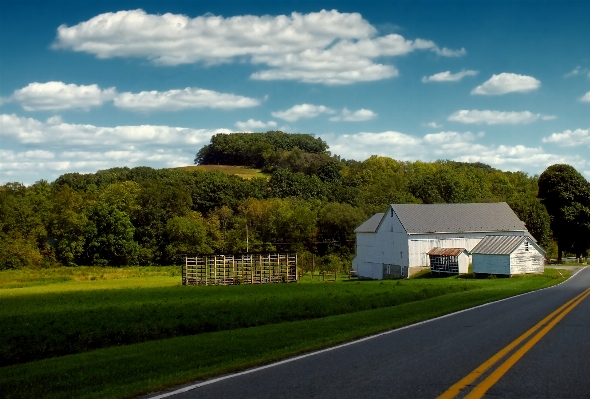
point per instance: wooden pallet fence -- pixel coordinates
(240, 269)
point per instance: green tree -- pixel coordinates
(566, 195)
(68, 225)
(109, 236)
(186, 235)
(336, 224)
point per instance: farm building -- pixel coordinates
(505, 255)
(449, 260)
(397, 243)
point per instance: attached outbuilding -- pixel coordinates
(507, 255)
(398, 243)
(449, 260)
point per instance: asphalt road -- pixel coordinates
(424, 360)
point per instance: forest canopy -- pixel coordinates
(310, 202)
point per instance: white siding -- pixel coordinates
(491, 264)
(523, 261)
(419, 248)
(464, 260)
(369, 270)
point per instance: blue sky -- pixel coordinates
(89, 85)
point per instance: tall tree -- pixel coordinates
(566, 195)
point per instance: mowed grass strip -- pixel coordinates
(46, 321)
(132, 370)
(241, 171)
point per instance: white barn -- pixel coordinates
(506, 255)
(396, 243)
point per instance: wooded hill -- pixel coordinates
(311, 203)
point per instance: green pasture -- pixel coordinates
(117, 333)
(241, 171)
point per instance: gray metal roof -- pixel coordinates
(370, 225)
(498, 245)
(457, 218)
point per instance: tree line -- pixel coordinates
(311, 203)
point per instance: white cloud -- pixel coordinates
(326, 47)
(176, 100)
(451, 145)
(577, 71)
(507, 83)
(447, 76)
(57, 96)
(302, 111)
(56, 147)
(357, 116)
(586, 97)
(55, 133)
(496, 117)
(252, 124)
(569, 138)
(433, 125)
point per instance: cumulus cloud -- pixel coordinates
(458, 146)
(56, 147)
(433, 125)
(55, 132)
(496, 117)
(252, 124)
(507, 83)
(302, 111)
(357, 116)
(58, 96)
(176, 100)
(447, 76)
(586, 97)
(326, 47)
(569, 138)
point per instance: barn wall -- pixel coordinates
(419, 248)
(420, 244)
(523, 261)
(491, 264)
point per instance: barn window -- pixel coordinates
(526, 245)
(388, 269)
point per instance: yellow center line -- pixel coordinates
(475, 374)
(486, 384)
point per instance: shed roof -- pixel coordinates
(446, 251)
(370, 225)
(457, 218)
(502, 245)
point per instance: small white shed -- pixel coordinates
(507, 255)
(449, 260)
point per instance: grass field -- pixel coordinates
(242, 171)
(132, 330)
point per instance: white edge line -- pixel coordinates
(293, 359)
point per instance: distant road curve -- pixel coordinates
(442, 357)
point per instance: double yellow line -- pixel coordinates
(481, 388)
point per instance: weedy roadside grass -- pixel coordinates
(291, 319)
